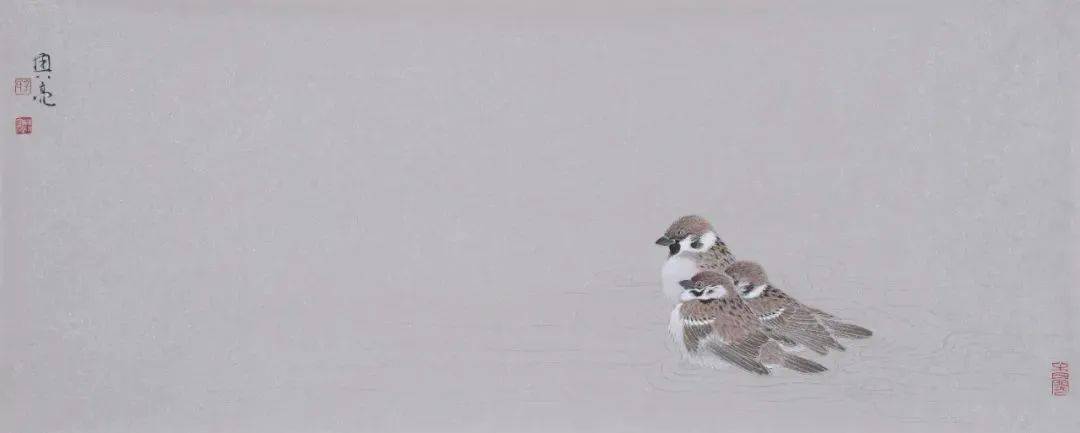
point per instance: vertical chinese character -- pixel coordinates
(42, 63)
(44, 96)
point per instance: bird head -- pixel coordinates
(690, 233)
(706, 285)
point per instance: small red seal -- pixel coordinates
(24, 125)
(22, 86)
(1059, 379)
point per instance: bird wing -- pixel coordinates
(739, 336)
(718, 329)
(694, 333)
(795, 322)
(742, 353)
(695, 320)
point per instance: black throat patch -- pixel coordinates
(673, 249)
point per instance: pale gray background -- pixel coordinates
(419, 218)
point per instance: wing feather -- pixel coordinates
(742, 354)
(694, 334)
(839, 328)
(797, 323)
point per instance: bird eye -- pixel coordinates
(695, 244)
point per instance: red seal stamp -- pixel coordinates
(22, 86)
(1059, 379)
(24, 125)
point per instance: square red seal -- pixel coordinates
(24, 125)
(22, 86)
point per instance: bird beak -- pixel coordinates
(687, 284)
(664, 241)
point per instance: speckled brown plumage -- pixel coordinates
(717, 258)
(783, 315)
(726, 328)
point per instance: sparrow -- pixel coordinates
(785, 317)
(693, 246)
(712, 321)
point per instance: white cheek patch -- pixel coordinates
(755, 292)
(684, 245)
(707, 241)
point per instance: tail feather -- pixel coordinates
(802, 365)
(818, 343)
(813, 345)
(848, 330)
(841, 329)
(787, 342)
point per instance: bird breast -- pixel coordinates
(677, 268)
(675, 326)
